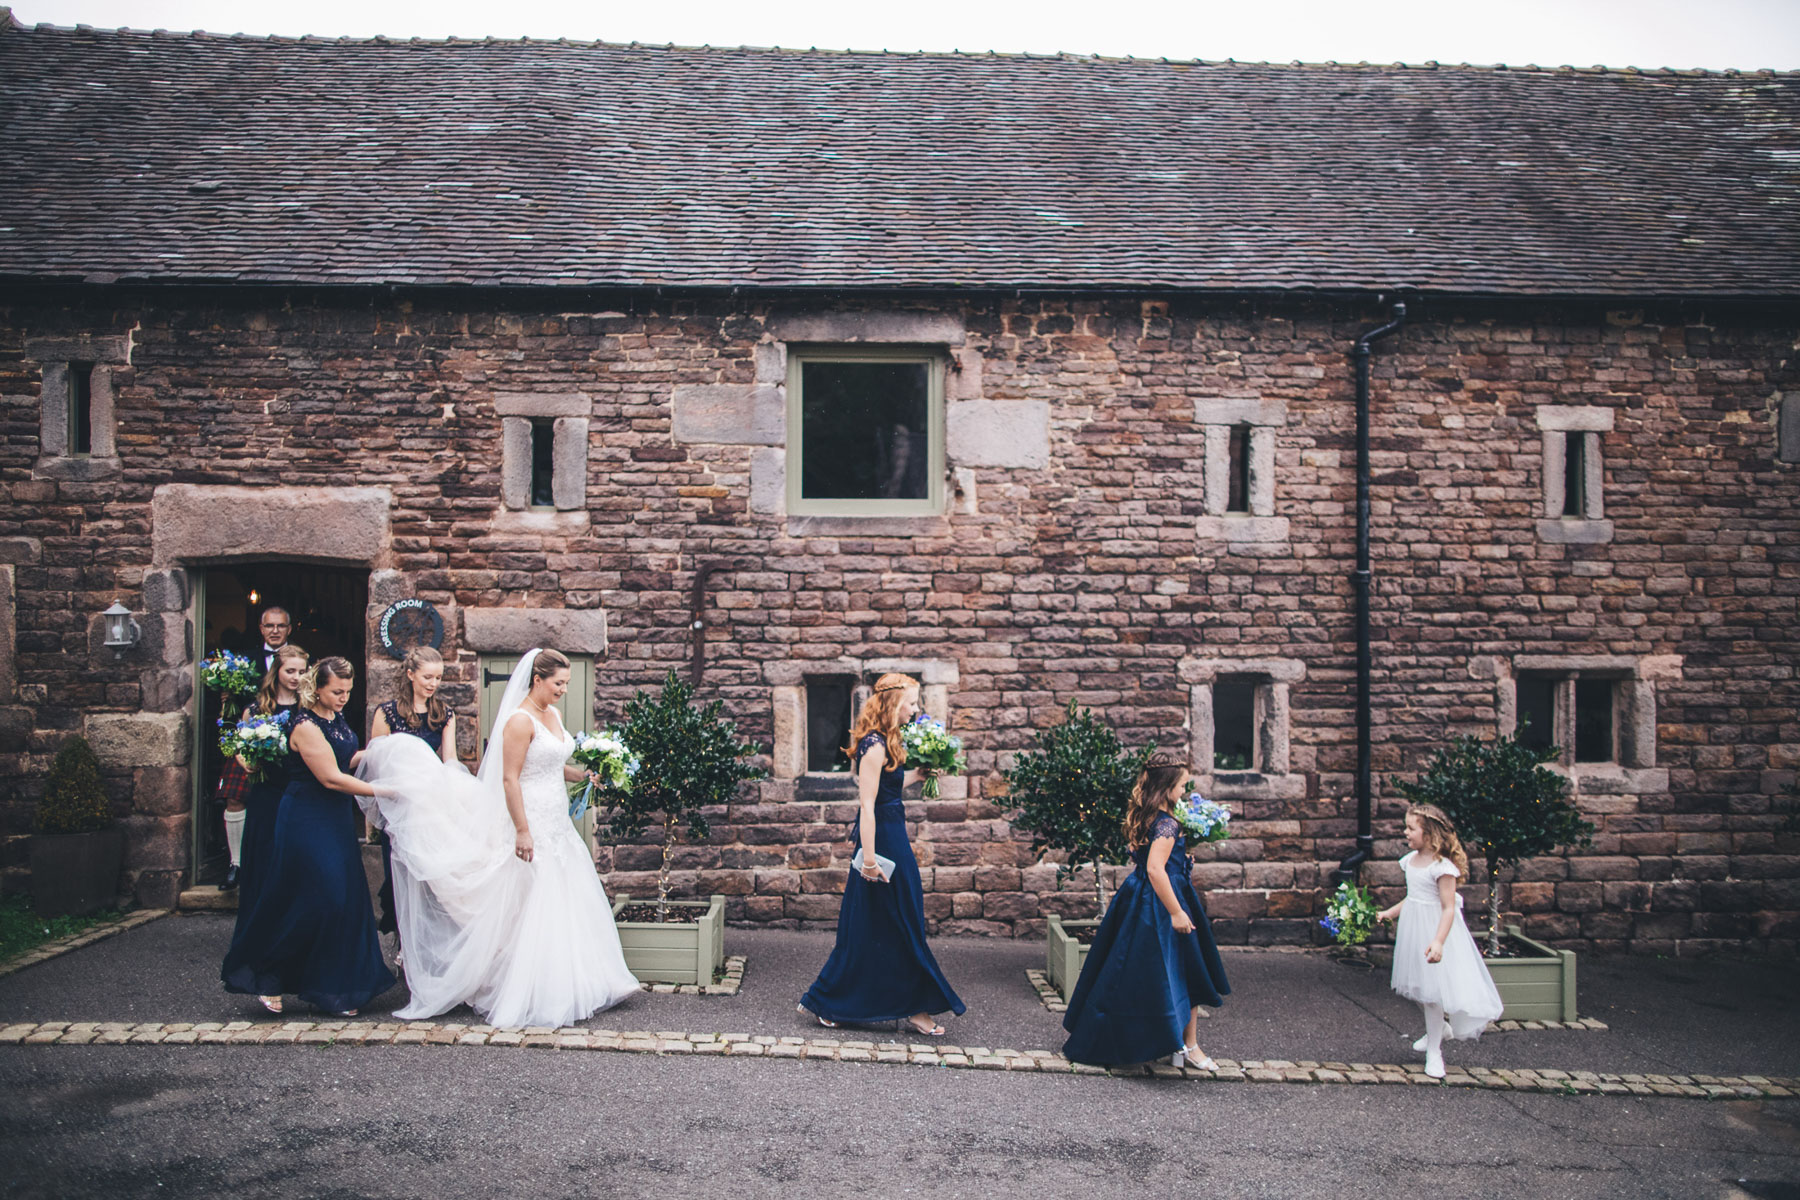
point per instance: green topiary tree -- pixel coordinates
(688, 759)
(74, 800)
(1072, 791)
(1506, 806)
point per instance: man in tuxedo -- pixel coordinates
(276, 626)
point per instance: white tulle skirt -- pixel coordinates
(1459, 982)
(521, 943)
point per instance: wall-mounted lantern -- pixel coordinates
(122, 632)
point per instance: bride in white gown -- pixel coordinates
(499, 906)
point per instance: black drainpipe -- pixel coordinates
(1360, 580)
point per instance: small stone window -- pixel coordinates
(830, 705)
(1237, 494)
(866, 429)
(1598, 710)
(543, 464)
(1576, 713)
(1235, 704)
(81, 409)
(1238, 735)
(1574, 475)
(76, 426)
(544, 450)
(1239, 478)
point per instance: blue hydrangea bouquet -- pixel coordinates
(260, 739)
(231, 675)
(929, 746)
(1203, 820)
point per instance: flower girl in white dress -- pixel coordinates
(498, 902)
(1436, 962)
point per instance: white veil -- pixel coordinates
(458, 888)
(490, 769)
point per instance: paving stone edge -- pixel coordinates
(76, 941)
(735, 1045)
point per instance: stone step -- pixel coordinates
(207, 899)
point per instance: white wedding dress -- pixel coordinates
(521, 943)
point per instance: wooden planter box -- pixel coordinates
(1539, 988)
(73, 874)
(690, 952)
(1064, 955)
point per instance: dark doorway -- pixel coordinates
(329, 608)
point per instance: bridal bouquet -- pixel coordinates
(930, 746)
(1203, 820)
(604, 753)
(1350, 914)
(260, 739)
(233, 676)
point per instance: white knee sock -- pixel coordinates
(1434, 1028)
(234, 835)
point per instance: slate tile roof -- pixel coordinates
(190, 157)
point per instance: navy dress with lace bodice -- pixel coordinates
(311, 932)
(880, 968)
(417, 724)
(1142, 980)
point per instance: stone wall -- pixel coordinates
(1088, 562)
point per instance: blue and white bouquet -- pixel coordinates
(260, 739)
(231, 675)
(606, 755)
(930, 746)
(1203, 820)
(1350, 914)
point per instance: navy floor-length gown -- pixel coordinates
(261, 803)
(311, 932)
(1142, 980)
(881, 969)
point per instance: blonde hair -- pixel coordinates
(881, 714)
(271, 684)
(323, 672)
(1156, 786)
(546, 664)
(436, 711)
(1440, 836)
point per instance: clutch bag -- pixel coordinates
(883, 864)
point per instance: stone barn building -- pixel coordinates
(1028, 375)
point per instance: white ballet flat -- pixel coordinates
(1434, 1064)
(1420, 1045)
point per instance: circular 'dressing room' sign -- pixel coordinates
(408, 624)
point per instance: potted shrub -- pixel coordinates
(1070, 795)
(76, 850)
(1509, 807)
(689, 759)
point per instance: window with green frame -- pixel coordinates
(865, 432)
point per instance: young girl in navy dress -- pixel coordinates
(1436, 963)
(1153, 961)
(880, 968)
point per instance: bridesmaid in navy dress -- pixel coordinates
(416, 710)
(312, 931)
(1153, 961)
(881, 969)
(280, 694)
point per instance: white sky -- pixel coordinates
(1747, 34)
